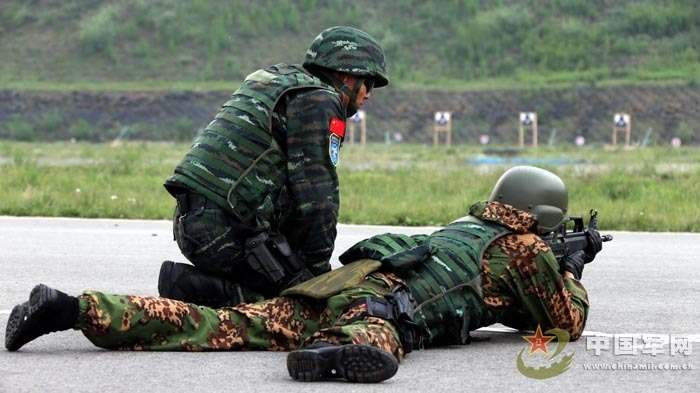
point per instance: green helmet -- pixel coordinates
(534, 190)
(349, 50)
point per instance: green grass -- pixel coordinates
(465, 43)
(115, 86)
(643, 189)
(83, 180)
(529, 81)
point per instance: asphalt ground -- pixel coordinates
(641, 283)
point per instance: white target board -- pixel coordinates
(528, 118)
(621, 120)
(442, 118)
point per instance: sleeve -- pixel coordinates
(312, 179)
(543, 296)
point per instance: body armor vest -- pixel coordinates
(446, 282)
(447, 286)
(236, 162)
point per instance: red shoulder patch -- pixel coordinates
(337, 127)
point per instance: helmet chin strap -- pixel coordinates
(351, 108)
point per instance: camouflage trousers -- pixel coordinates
(212, 239)
(278, 324)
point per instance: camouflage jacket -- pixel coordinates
(309, 215)
(520, 277)
(283, 182)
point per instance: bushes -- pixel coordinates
(15, 15)
(17, 129)
(98, 33)
(501, 30)
(655, 20)
(45, 126)
(425, 41)
(81, 130)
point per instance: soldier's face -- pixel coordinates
(364, 92)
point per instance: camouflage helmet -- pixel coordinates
(347, 49)
(536, 191)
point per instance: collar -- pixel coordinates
(516, 220)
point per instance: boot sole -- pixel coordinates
(25, 315)
(355, 363)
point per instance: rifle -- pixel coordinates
(563, 242)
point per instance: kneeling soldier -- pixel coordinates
(257, 194)
(394, 294)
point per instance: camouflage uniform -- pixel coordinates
(266, 165)
(517, 281)
(278, 324)
(297, 197)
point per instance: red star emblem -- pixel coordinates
(539, 341)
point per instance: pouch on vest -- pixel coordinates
(380, 246)
(335, 281)
(407, 260)
(397, 307)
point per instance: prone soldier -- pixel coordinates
(257, 194)
(395, 293)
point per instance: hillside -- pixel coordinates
(443, 44)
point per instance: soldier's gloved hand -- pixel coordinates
(595, 244)
(574, 263)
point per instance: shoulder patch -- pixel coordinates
(334, 149)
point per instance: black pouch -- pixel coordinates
(406, 260)
(398, 307)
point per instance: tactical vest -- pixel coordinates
(446, 284)
(447, 287)
(236, 162)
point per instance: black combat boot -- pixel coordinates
(180, 281)
(47, 310)
(352, 362)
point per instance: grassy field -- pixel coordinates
(651, 189)
(465, 44)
